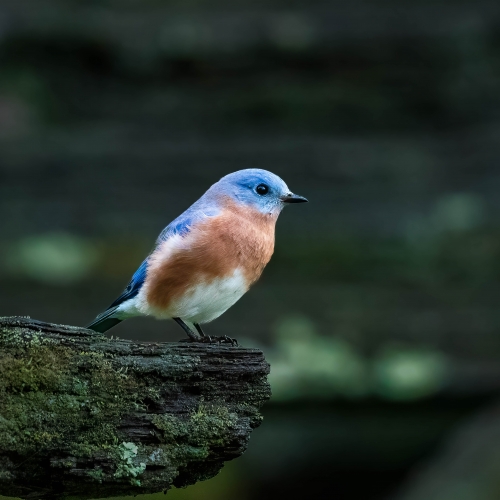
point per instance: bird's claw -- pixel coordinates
(227, 340)
(209, 339)
(219, 340)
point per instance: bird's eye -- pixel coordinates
(262, 189)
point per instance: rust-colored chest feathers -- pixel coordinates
(237, 240)
(241, 239)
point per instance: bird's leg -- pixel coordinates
(214, 340)
(192, 336)
(199, 330)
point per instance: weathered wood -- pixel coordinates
(88, 416)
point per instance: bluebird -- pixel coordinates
(206, 259)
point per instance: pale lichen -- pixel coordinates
(127, 452)
(54, 397)
(67, 407)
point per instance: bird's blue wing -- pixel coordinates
(107, 319)
(180, 226)
(134, 286)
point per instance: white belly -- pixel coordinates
(205, 302)
(200, 304)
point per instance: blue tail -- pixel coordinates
(105, 320)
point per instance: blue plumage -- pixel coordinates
(134, 286)
(179, 226)
(194, 214)
(253, 189)
(105, 321)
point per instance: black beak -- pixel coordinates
(293, 198)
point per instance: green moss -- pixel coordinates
(190, 438)
(55, 397)
(96, 474)
(65, 403)
(211, 423)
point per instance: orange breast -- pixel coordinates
(238, 238)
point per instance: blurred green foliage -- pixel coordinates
(117, 114)
(307, 366)
(53, 258)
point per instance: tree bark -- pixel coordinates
(88, 416)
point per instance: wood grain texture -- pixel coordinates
(88, 416)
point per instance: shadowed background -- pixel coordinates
(379, 311)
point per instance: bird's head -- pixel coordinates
(256, 188)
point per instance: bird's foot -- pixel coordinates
(228, 340)
(208, 339)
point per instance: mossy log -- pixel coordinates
(86, 416)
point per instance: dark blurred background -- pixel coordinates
(379, 311)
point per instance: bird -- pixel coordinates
(205, 260)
